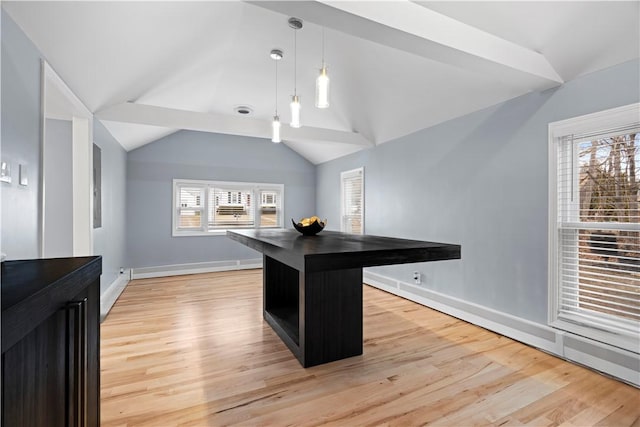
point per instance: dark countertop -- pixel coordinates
(31, 290)
(22, 279)
(331, 250)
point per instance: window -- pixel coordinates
(190, 207)
(352, 195)
(211, 207)
(594, 250)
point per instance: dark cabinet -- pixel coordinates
(51, 342)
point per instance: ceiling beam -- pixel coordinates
(407, 26)
(222, 123)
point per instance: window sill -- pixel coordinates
(222, 232)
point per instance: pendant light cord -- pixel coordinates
(322, 47)
(276, 61)
(295, 61)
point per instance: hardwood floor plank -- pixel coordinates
(194, 350)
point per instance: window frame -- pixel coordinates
(206, 185)
(343, 215)
(599, 122)
(177, 209)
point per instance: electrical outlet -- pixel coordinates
(416, 277)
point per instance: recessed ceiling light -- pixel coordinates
(243, 110)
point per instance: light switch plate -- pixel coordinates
(24, 180)
(5, 172)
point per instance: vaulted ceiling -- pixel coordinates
(147, 69)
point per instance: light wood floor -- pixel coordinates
(194, 350)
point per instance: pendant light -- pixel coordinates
(276, 55)
(296, 24)
(322, 83)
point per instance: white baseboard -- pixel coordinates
(614, 361)
(110, 296)
(194, 268)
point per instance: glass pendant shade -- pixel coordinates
(322, 89)
(295, 111)
(275, 129)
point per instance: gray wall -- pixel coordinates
(21, 130)
(20, 141)
(58, 178)
(110, 239)
(480, 181)
(198, 155)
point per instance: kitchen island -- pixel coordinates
(312, 285)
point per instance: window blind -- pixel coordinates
(353, 201)
(230, 206)
(190, 207)
(598, 230)
(270, 208)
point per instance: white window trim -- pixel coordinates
(176, 208)
(595, 122)
(343, 175)
(254, 186)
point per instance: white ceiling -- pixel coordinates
(147, 69)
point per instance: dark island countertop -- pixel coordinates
(332, 250)
(32, 290)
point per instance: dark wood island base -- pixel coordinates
(312, 285)
(318, 315)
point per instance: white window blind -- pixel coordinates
(270, 212)
(352, 183)
(210, 207)
(597, 235)
(190, 207)
(230, 207)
